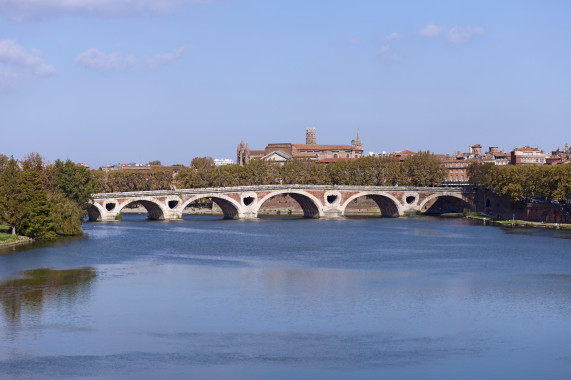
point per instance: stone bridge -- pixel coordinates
(317, 201)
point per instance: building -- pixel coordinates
(457, 164)
(223, 161)
(457, 168)
(404, 154)
(476, 150)
(528, 155)
(281, 152)
(498, 157)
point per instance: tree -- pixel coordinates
(36, 221)
(33, 161)
(3, 161)
(75, 183)
(188, 178)
(479, 174)
(66, 215)
(423, 169)
(12, 207)
(204, 167)
(155, 162)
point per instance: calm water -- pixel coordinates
(289, 299)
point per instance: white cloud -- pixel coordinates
(35, 9)
(392, 36)
(461, 35)
(17, 65)
(432, 31)
(455, 34)
(160, 60)
(97, 60)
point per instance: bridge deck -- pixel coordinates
(240, 189)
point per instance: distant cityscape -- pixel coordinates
(456, 164)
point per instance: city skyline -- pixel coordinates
(172, 80)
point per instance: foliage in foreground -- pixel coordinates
(523, 182)
(43, 201)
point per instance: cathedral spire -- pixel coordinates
(358, 142)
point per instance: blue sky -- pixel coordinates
(107, 81)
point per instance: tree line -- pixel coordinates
(43, 201)
(423, 169)
(523, 182)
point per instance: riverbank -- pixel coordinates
(9, 240)
(476, 216)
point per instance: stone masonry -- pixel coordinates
(316, 201)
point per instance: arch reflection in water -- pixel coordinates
(28, 294)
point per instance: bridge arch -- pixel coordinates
(154, 209)
(312, 207)
(445, 203)
(95, 212)
(230, 207)
(388, 204)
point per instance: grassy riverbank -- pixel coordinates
(515, 223)
(8, 240)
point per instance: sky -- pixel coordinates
(120, 81)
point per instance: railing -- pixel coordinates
(241, 189)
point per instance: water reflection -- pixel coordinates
(28, 294)
(60, 241)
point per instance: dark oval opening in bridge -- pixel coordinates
(372, 205)
(446, 206)
(289, 205)
(248, 201)
(110, 206)
(173, 204)
(410, 199)
(331, 199)
(211, 208)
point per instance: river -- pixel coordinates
(279, 298)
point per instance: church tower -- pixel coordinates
(357, 144)
(310, 137)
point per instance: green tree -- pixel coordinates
(204, 167)
(66, 215)
(188, 178)
(12, 207)
(423, 169)
(75, 183)
(479, 173)
(155, 162)
(36, 221)
(3, 161)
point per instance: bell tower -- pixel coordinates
(310, 137)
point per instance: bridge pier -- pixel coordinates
(248, 215)
(332, 213)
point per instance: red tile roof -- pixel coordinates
(405, 152)
(527, 149)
